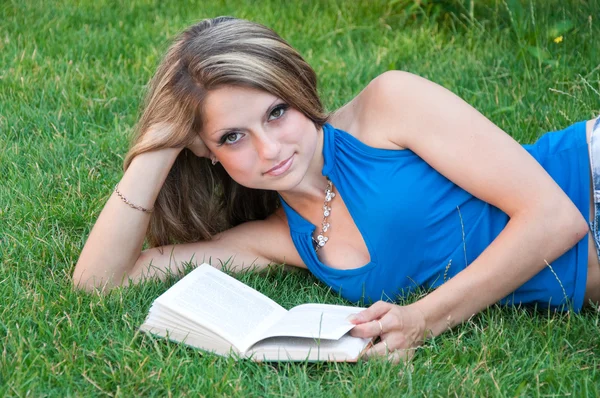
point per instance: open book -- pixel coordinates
(213, 311)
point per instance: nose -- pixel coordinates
(268, 147)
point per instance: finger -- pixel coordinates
(369, 329)
(380, 349)
(401, 355)
(375, 311)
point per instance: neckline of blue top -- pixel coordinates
(304, 229)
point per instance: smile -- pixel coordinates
(282, 167)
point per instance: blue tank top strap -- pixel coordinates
(328, 148)
(296, 222)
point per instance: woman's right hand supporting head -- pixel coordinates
(199, 148)
(161, 135)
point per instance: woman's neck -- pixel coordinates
(311, 189)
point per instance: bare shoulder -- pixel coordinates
(267, 239)
(281, 248)
(373, 116)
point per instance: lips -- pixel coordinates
(281, 167)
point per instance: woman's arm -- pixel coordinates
(116, 240)
(113, 254)
(475, 154)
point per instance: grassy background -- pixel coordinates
(72, 75)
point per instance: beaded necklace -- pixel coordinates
(322, 238)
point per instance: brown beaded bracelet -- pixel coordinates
(133, 206)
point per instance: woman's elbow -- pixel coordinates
(90, 283)
(580, 228)
(84, 280)
(571, 224)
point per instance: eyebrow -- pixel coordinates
(218, 133)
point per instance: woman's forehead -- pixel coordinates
(233, 106)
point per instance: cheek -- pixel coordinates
(240, 166)
(298, 130)
(290, 136)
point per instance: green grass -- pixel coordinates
(72, 75)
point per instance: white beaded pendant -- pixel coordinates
(325, 226)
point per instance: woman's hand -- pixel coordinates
(401, 329)
(199, 148)
(159, 131)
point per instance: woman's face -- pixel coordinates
(260, 141)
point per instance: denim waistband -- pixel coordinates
(595, 169)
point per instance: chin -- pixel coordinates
(281, 184)
(290, 182)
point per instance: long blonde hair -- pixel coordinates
(197, 199)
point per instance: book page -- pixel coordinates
(347, 348)
(222, 304)
(197, 340)
(315, 321)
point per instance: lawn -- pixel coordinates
(72, 75)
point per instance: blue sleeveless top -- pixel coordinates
(421, 229)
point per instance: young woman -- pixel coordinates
(407, 185)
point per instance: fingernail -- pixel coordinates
(352, 318)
